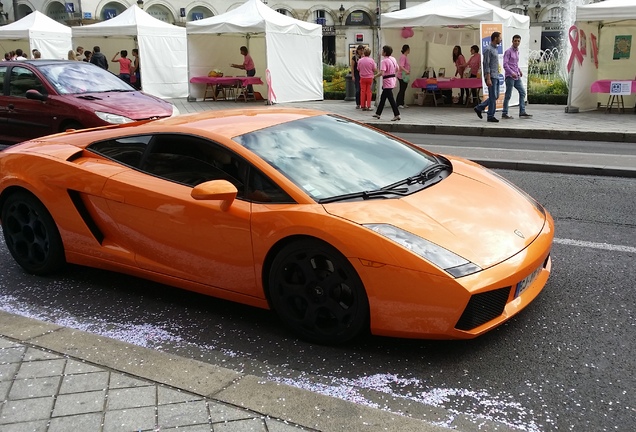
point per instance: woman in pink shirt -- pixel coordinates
(403, 75)
(367, 69)
(460, 66)
(124, 65)
(247, 66)
(474, 63)
(388, 69)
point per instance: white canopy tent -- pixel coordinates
(438, 25)
(605, 21)
(289, 48)
(162, 49)
(39, 32)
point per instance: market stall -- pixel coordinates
(288, 48)
(162, 49)
(600, 45)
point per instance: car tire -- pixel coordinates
(316, 291)
(31, 234)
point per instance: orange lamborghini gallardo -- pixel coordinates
(337, 227)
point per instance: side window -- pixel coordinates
(23, 79)
(127, 151)
(261, 189)
(191, 160)
(3, 72)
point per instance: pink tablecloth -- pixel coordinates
(447, 83)
(603, 86)
(226, 80)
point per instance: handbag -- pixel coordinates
(405, 77)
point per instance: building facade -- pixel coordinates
(345, 23)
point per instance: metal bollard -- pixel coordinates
(350, 88)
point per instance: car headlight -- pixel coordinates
(113, 118)
(175, 111)
(442, 258)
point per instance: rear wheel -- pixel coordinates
(31, 234)
(317, 292)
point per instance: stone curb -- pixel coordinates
(500, 132)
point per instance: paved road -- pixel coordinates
(563, 364)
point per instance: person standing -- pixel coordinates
(356, 73)
(37, 55)
(19, 55)
(99, 59)
(513, 79)
(71, 55)
(388, 68)
(403, 75)
(491, 75)
(124, 65)
(80, 52)
(460, 66)
(367, 69)
(247, 66)
(136, 69)
(473, 65)
(87, 56)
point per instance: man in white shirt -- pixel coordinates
(19, 55)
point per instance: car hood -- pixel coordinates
(134, 105)
(472, 213)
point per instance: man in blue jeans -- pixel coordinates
(490, 69)
(513, 79)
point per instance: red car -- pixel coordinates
(41, 97)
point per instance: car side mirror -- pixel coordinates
(221, 190)
(36, 95)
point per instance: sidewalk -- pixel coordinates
(58, 379)
(549, 122)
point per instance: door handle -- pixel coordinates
(10, 107)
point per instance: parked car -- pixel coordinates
(336, 226)
(41, 97)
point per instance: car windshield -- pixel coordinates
(329, 156)
(81, 77)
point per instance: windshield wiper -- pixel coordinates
(379, 193)
(422, 177)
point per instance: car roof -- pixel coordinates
(45, 62)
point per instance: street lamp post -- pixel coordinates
(537, 11)
(140, 3)
(341, 12)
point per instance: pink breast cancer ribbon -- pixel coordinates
(594, 49)
(573, 34)
(271, 96)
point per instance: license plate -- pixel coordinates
(525, 283)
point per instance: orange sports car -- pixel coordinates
(337, 227)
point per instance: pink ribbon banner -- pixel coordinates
(573, 34)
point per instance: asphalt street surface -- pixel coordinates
(566, 363)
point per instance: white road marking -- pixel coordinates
(594, 245)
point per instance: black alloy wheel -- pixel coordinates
(316, 291)
(31, 234)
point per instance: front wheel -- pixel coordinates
(31, 234)
(316, 291)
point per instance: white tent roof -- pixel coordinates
(453, 12)
(163, 49)
(33, 24)
(252, 17)
(133, 21)
(607, 11)
(50, 37)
